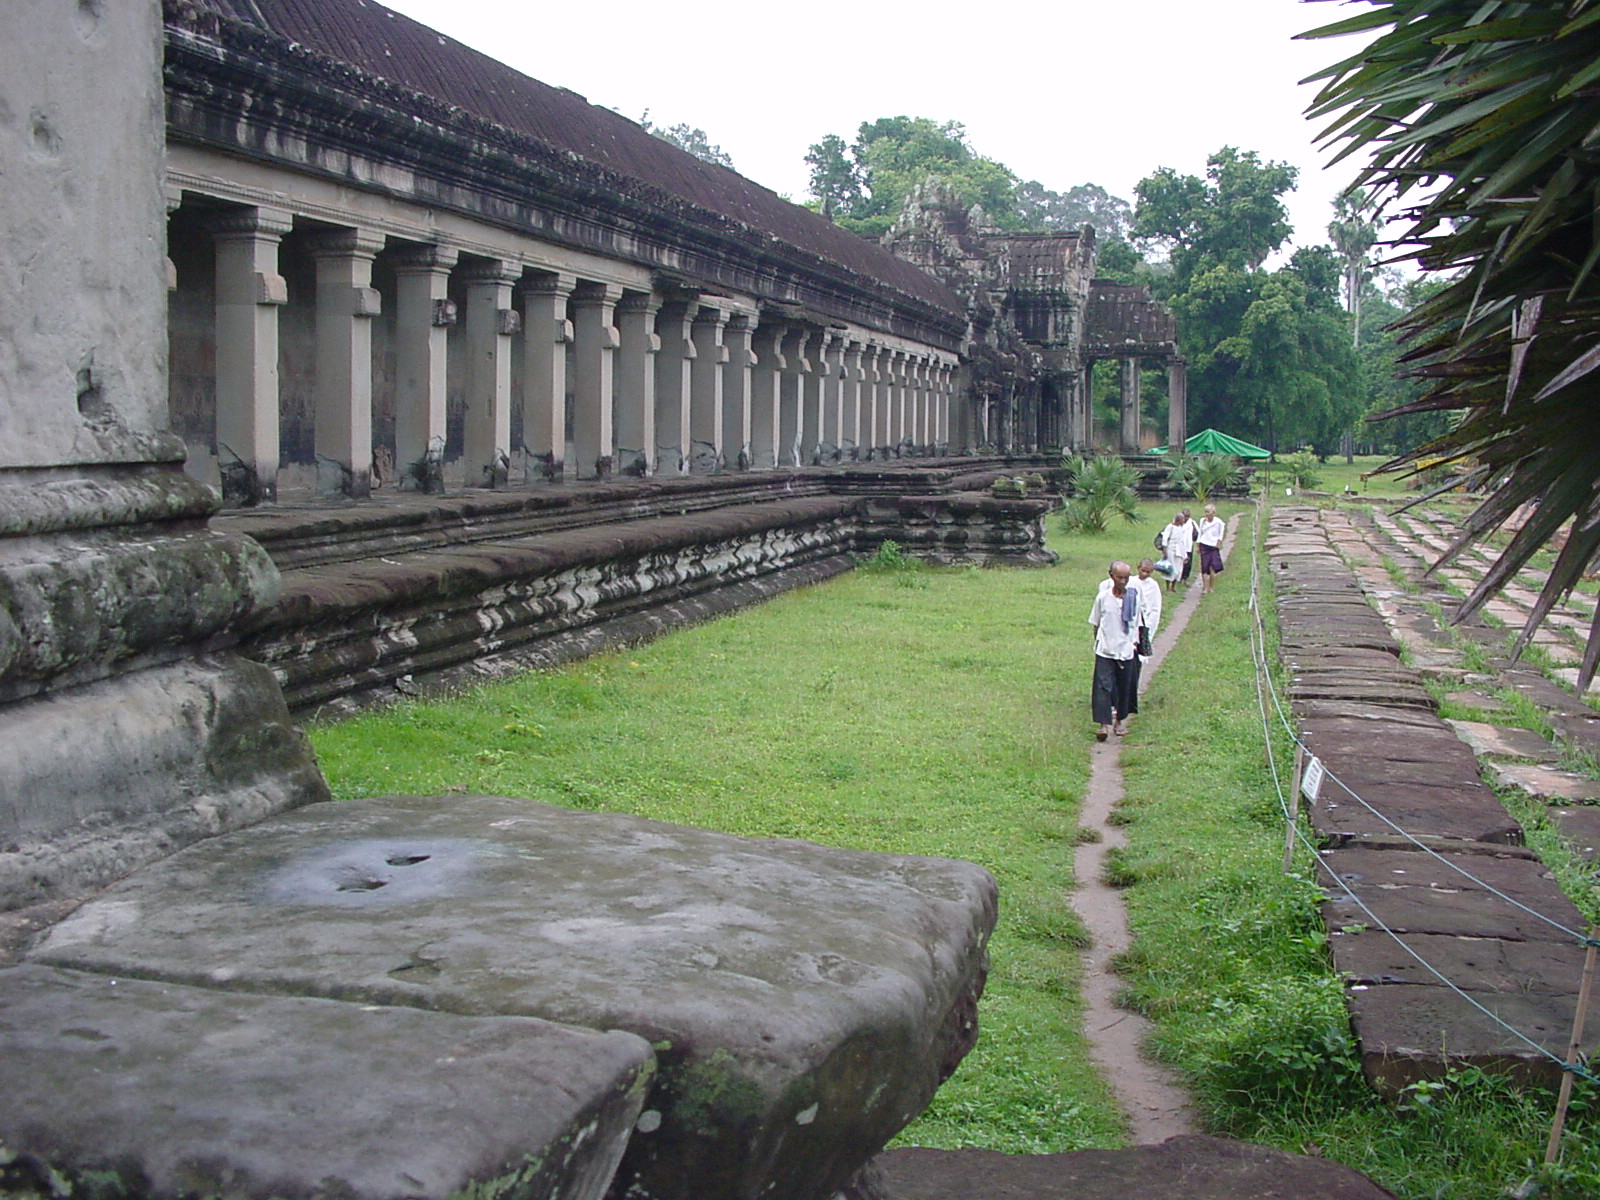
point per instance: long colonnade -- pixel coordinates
(360, 342)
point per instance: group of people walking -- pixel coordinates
(1127, 612)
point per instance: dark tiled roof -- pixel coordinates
(381, 42)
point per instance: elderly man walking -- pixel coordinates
(1116, 615)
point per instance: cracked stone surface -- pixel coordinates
(177, 1091)
(804, 1002)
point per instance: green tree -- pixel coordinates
(835, 178)
(1040, 210)
(1491, 108)
(690, 138)
(863, 185)
(1269, 355)
(1353, 232)
(1234, 216)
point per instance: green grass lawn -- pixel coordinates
(940, 712)
(945, 712)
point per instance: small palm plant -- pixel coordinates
(1201, 474)
(1100, 487)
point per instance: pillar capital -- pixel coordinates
(600, 294)
(491, 271)
(548, 283)
(345, 243)
(417, 258)
(647, 303)
(241, 223)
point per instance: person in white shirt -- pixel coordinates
(1150, 593)
(1208, 537)
(1116, 615)
(1177, 540)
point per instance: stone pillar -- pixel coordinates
(674, 367)
(945, 405)
(919, 407)
(815, 389)
(850, 402)
(891, 394)
(595, 341)
(1177, 404)
(764, 393)
(636, 382)
(871, 414)
(832, 397)
(546, 335)
(129, 730)
(249, 293)
(486, 449)
(423, 316)
(791, 395)
(346, 304)
(1130, 405)
(736, 382)
(1086, 410)
(705, 391)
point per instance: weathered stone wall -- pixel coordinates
(422, 590)
(129, 729)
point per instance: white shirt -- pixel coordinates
(1150, 591)
(1178, 540)
(1210, 530)
(1111, 640)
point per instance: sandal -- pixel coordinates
(1101, 734)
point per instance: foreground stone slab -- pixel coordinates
(1581, 828)
(804, 1002)
(1503, 741)
(1476, 964)
(1409, 1032)
(117, 1087)
(1194, 1168)
(1547, 783)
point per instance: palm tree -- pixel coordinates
(1354, 231)
(1482, 115)
(1101, 486)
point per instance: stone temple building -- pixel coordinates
(399, 264)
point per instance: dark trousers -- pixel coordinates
(1116, 689)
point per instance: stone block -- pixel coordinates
(1581, 828)
(1548, 783)
(804, 1002)
(1503, 741)
(1408, 1033)
(117, 1087)
(1196, 1168)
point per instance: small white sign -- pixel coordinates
(1311, 778)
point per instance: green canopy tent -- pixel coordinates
(1212, 441)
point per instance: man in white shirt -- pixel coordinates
(1208, 537)
(1150, 594)
(1115, 615)
(1177, 540)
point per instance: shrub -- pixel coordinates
(1100, 487)
(1202, 474)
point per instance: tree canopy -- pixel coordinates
(862, 185)
(690, 138)
(1269, 354)
(1482, 115)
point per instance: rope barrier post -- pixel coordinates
(1552, 1151)
(1294, 806)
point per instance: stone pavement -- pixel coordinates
(413, 997)
(1397, 771)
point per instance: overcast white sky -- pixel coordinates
(1062, 91)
